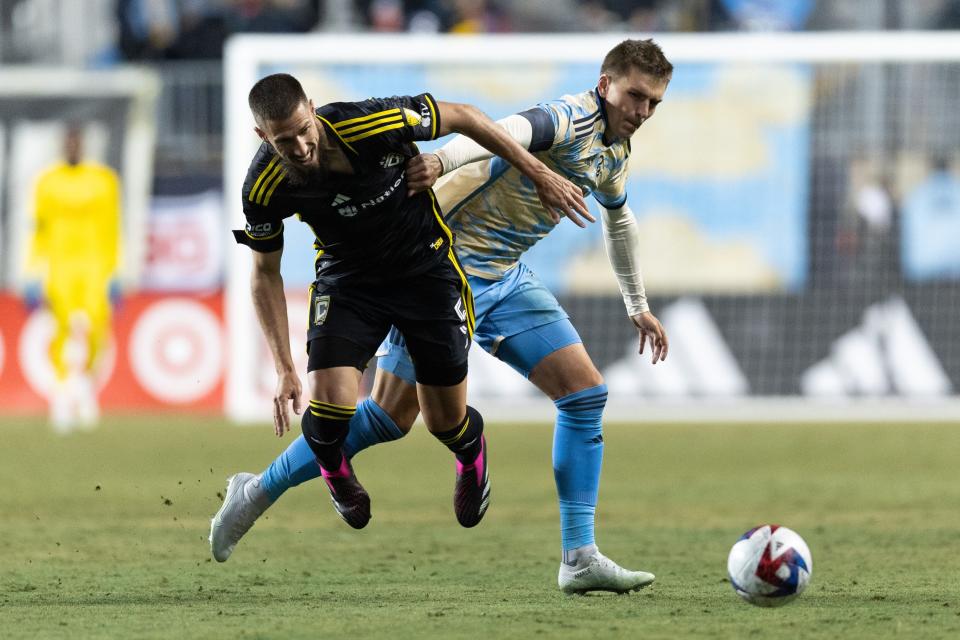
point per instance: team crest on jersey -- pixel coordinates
(321, 307)
(413, 118)
(391, 160)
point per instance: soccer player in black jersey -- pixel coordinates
(384, 257)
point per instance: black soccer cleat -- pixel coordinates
(471, 497)
(349, 497)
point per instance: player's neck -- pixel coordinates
(333, 156)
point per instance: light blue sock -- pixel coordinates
(371, 425)
(297, 464)
(577, 458)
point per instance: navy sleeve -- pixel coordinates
(543, 128)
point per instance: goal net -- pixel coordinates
(798, 199)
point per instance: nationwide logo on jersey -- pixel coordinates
(391, 160)
(461, 312)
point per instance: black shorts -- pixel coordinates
(433, 310)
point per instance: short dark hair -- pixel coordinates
(644, 55)
(275, 97)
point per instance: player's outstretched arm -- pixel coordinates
(621, 237)
(270, 303)
(559, 196)
(425, 169)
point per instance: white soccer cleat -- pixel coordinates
(597, 572)
(244, 503)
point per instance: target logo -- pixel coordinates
(176, 351)
(34, 353)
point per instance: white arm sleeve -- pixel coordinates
(621, 237)
(463, 150)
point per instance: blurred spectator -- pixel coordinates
(197, 29)
(948, 17)
(478, 16)
(272, 16)
(147, 28)
(931, 226)
(73, 257)
(769, 15)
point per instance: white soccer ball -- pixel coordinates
(769, 565)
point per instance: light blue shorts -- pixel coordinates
(518, 320)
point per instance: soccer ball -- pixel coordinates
(769, 565)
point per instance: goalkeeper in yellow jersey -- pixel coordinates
(72, 263)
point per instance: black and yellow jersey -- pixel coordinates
(366, 226)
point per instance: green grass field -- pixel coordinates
(104, 535)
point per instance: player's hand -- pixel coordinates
(423, 171)
(650, 328)
(288, 388)
(560, 197)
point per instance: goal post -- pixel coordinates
(793, 193)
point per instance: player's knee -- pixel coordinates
(326, 425)
(441, 374)
(584, 407)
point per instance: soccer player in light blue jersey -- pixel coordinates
(496, 216)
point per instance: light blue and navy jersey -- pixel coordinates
(494, 210)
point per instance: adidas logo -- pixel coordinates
(340, 199)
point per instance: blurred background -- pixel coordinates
(799, 207)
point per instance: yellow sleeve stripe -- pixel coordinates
(367, 134)
(263, 174)
(322, 119)
(257, 195)
(372, 116)
(369, 125)
(276, 183)
(433, 117)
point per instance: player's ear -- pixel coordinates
(603, 85)
(261, 134)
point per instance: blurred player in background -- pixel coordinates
(72, 267)
(587, 138)
(384, 257)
